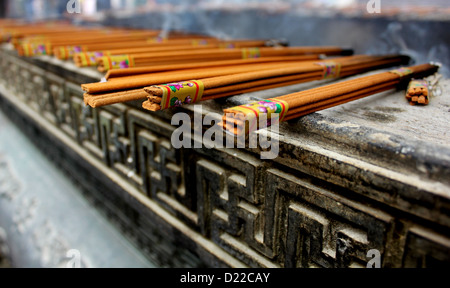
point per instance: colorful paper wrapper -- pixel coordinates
(177, 94)
(254, 110)
(117, 62)
(331, 69)
(35, 49)
(90, 58)
(200, 42)
(67, 52)
(227, 45)
(157, 40)
(402, 72)
(248, 53)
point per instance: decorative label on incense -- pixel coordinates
(177, 94)
(228, 45)
(158, 40)
(6, 37)
(248, 53)
(330, 69)
(418, 92)
(254, 110)
(199, 42)
(402, 72)
(67, 52)
(90, 58)
(118, 62)
(34, 49)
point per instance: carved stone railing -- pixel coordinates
(336, 191)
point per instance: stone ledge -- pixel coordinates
(336, 184)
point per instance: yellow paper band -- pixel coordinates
(248, 53)
(48, 48)
(330, 69)
(227, 45)
(199, 42)
(34, 49)
(6, 37)
(90, 58)
(402, 72)
(177, 94)
(254, 110)
(118, 62)
(418, 84)
(27, 50)
(67, 52)
(157, 40)
(63, 53)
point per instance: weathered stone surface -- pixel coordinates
(339, 188)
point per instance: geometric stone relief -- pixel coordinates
(230, 202)
(89, 131)
(309, 226)
(425, 248)
(51, 99)
(26, 87)
(260, 212)
(72, 119)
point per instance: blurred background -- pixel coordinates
(417, 28)
(44, 9)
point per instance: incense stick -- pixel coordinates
(138, 60)
(277, 77)
(237, 120)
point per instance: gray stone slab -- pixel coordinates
(341, 186)
(44, 218)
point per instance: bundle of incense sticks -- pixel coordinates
(129, 47)
(246, 118)
(109, 92)
(32, 34)
(418, 92)
(16, 30)
(143, 80)
(118, 73)
(222, 81)
(173, 57)
(165, 96)
(45, 45)
(89, 56)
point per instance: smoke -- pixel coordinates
(420, 41)
(440, 53)
(422, 36)
(194, 16)
(423, 40)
